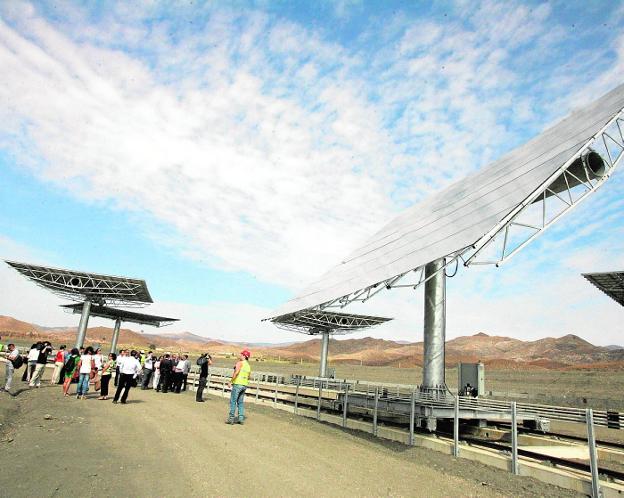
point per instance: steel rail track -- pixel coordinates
(556, 461)
(583, 439)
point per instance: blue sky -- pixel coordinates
(229, 154)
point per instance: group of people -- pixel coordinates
(86, 366)
(171, 373)
(35, 361)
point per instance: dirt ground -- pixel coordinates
(169, 445)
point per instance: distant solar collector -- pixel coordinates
(611, 283)
(124, 315)
(326, 323)
(314, 322)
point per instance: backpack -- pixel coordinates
(18, 362)
(201, 360)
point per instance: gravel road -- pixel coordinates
(169, 445)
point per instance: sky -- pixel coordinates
(231, 152)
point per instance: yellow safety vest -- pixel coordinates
(242, 379)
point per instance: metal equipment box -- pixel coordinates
(471, 379)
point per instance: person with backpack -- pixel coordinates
(204, 362)
(33, 354)
(14, 361)
(71, 370)
(42, 359)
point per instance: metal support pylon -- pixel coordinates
(435, 326)
(115, 337)
(82, 326)
(324, 354)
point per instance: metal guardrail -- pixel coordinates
(403, 394)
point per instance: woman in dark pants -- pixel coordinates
(107, 370)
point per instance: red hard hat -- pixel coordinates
(245, 353)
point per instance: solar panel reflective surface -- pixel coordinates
(78, 286)
(611, 283)
(462, 214)
(316, 322)
(124, 315)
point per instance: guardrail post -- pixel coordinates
(456, 427)
(257, 389)
(412, 416)
(297, 397)
(345, 406)
(223, 388)
(275, 396)
(318, 406)
(593, 455)
(376, 407)
(514, 439)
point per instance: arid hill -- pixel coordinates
(185, 341)
(565, 352)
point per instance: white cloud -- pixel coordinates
(268, 147)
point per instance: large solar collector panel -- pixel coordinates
(467, 213)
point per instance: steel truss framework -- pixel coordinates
(81, 286)
(611, 283)
(318, 322)
(123, 315)
(572, 183)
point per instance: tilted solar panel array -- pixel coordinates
(463, 213)
(77, 285)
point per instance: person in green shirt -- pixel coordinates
(71, 366)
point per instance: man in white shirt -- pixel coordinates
(178, 374)
(129, 368)
(33, 354)
(185, 371)
(123, 354)
(148, 369)
(40, 363)
(11, 357)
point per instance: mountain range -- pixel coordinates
(569, 351)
